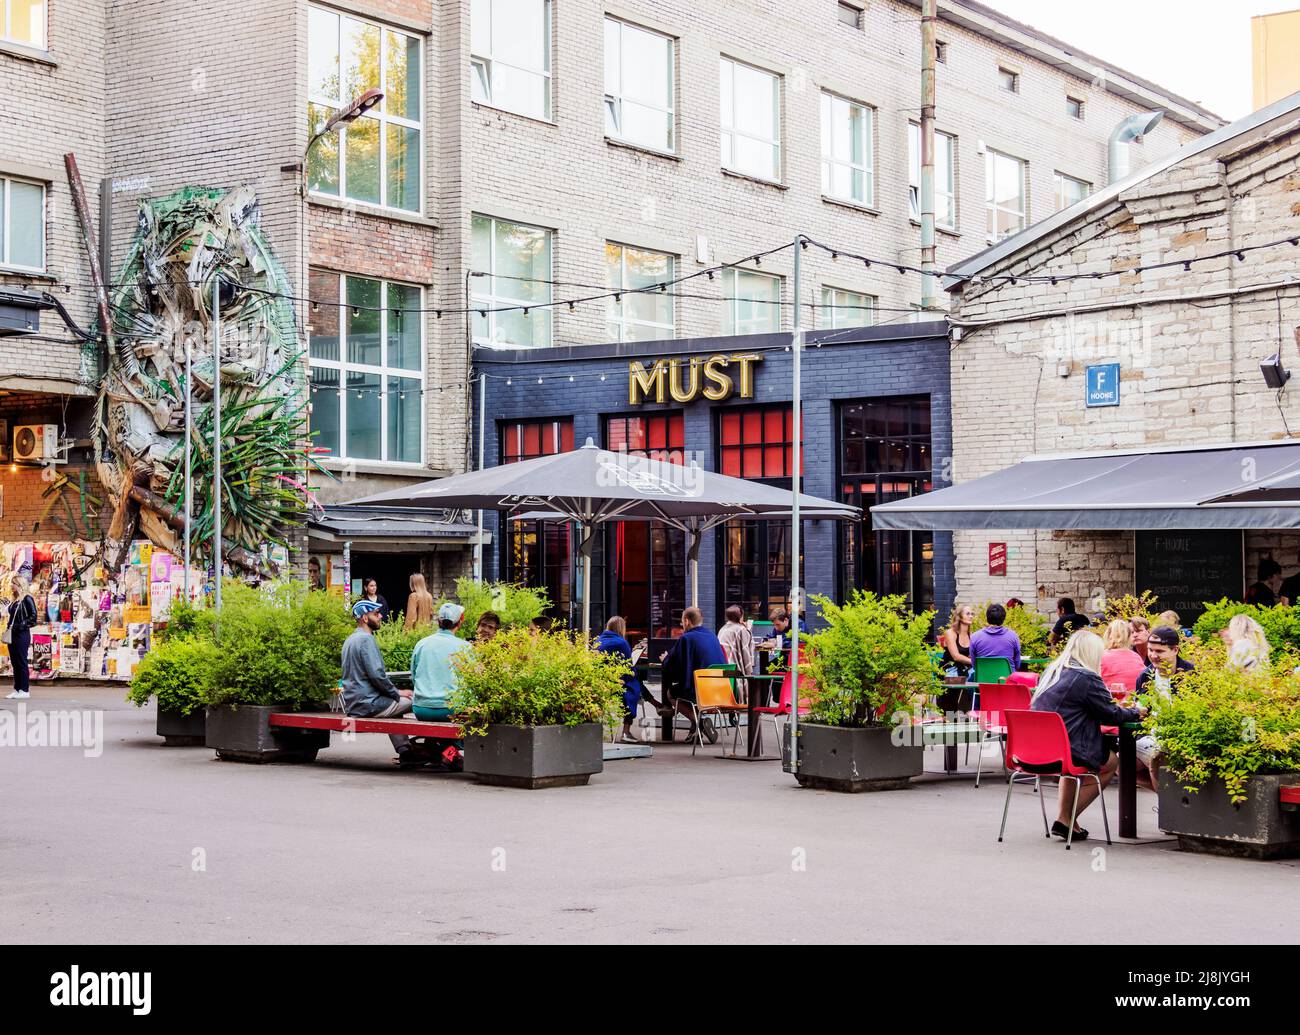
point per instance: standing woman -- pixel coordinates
(419, 605)
(18, 634)
(370, 591)
(956, 639)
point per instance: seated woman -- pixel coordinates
(1248, 649)
(614, 641)
(1120, 663)
(1072, 687)
(956, 640)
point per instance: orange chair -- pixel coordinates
(995, 699)
(714, 694)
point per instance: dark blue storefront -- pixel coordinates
(876, 426)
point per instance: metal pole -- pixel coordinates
(929, 299)
(216, 436)
(347, 574)
(795, 451)
(189, 487)
(482, 406)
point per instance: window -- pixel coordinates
(751, 120)
(527, 440)
(23, 21)
(842, 308)
(1009, 80)
(538, 553)
(1069, 190)
(510, 55)
(945, 177)
(659, 436)
(885, 454)
(642, 316)
(22, 224)
(639, 86)
(847, 134)
(1074, 107)
(850, 16)
(941, 52)
(751, 302)
(376, 159)
(755, 442)
(1004, 193)
(516, 261)
(366, 341)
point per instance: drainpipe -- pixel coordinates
(1232, 300)
(928, 18)
(1135, 127)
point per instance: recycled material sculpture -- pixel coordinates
(187, 244)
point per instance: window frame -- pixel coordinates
(6, 224)
(842, 7)
(379, 114)
(617, 100)
(547, 73)
(6, 27)
(494, 299)
(828, 310)
(1058, 182)
(940, 52)
(1008, 79)
(732, 300)
(914, 188)
(343, 366)
(1076, 103)
(868, 167)
(727, 128)
(991, 207)
(617, 311)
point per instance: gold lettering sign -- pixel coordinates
(686, 379)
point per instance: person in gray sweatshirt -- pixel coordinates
(367, 691)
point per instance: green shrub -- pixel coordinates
(1030, 626)
(177, 671)
(188, 619)
(396, 644)
(1128, 607)
(517, 605)
(547, 680)
(1230, 724)
(1281, 624)
(871, 661)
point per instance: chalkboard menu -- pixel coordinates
(1186, 570)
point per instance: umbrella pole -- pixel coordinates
(588, 541)
(693, 555)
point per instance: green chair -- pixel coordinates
(990, 670)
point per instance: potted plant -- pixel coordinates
(533, 709)
(175, 672)
(1230, 741)
(279, 649)
(869, 667)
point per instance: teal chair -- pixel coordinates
(990, 670)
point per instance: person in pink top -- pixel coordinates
(1120, 663)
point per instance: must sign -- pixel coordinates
(1103, 385)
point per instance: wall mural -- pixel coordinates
(185, 244)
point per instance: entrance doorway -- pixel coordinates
(391, 571)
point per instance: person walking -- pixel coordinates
(370, 591)
(419, 605)
(18, 635)
(367, 691)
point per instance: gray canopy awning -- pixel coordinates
(1223, 486)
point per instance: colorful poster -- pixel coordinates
(160, 569)
(160, 601)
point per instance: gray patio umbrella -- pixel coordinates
(592, 486)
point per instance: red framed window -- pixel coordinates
(658, 436)
(756, 442)
(527, 440)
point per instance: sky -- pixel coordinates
(1197, 48)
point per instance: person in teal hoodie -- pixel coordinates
(433, 666)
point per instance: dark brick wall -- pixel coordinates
(907, 359)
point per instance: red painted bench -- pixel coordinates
(1289, 797)
(339, 723)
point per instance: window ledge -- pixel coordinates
(750, 177)
(946, 231)
(334, 463)
(628, 145)
(484, 106)
(20, 50)
(857, 206)
(397, 215)
(18, 273)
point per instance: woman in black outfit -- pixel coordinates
(371, 588)
(956, 640)
(1072, 688)
(22, 616)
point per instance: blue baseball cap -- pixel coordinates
(364, 607)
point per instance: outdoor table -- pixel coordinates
(754, 732)
(950, 734)
(1128, 778)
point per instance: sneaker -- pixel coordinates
(17, 695)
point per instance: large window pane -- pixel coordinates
(26, 22)
(363, 321)
(365, 415)
(323, 158)
(639, 85)
(510, 55)
(325, 409)
(403, 163)
(646, 316)
(324, 315)
(404, 419)
(360, 58)
(752, 302)
(403, 327)
(322, 55)
(362, 142)
(750, 119)
(26, 226)
(517, 261)
(402, 97)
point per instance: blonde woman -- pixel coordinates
(18, 635)
(1072, 687)
(419, 605)
(956, 639)
(1120, 663)
(1247, 644)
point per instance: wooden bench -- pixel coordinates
(336, 722)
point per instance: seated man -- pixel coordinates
(1161, 676)
(433, 668)
(489, 624)
(695, 648)
(995, 640)
(1068, 620)
(367, 691)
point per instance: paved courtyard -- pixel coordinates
(147, 843)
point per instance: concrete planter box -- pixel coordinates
(536, 756)
(179, 730)
(1207, 821)
(835, 758)
(244, 734)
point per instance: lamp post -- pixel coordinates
(796, 437)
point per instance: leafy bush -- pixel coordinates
(1230, 724)
(188, 620)
(1030, 626)
(870, 661)
(396, 644)
(517, 605)
(1128, 607)
(178, 671)
(1281, 624)
(548, 680)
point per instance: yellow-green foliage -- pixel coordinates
(1128, 607)
(1030, 626)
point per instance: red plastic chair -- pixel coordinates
(994, 701)
(782, 707)
(1038, 746)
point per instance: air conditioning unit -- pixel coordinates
(36, 441)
